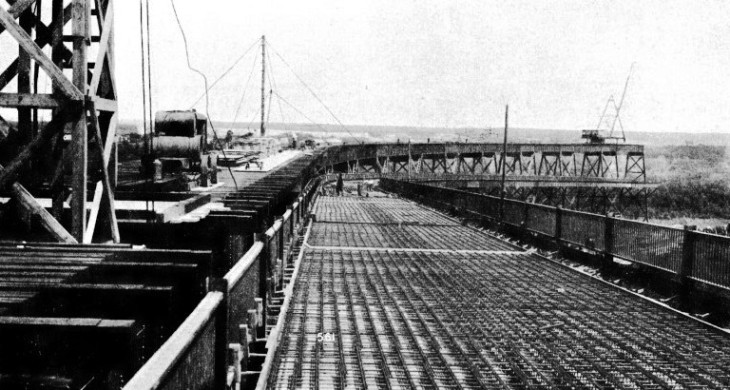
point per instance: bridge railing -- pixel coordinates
(690, 256)
(197, 355)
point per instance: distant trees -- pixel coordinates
(130, 146)
(694, 179)
(691, 198)
(710, 154)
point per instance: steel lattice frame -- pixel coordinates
(611, 162)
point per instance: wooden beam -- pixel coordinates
(183, 207)
(30, 100)
(111, 134)
(17, 8)
(79, 138)
(59, 54)
(108, 191)
(100, 14)
(107, 105)
(44, 36)
(25, 121)
(28, 202)
(27, 43)
(101, 56)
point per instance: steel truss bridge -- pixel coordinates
(609, 162)
(592, 177)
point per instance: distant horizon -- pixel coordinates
(334, 127)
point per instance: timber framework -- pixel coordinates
(75, 146)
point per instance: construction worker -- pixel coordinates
(340, 184)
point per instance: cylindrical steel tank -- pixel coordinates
(180, 123)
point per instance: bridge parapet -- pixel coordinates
(696, 261)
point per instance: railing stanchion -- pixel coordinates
(523, 222)
(264, 259)
(221, 333)
(685, 269)
(608, 244)
(558, 228)
(280, 242)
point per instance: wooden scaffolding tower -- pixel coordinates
(75, 148)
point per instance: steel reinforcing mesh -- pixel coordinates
(441, 319)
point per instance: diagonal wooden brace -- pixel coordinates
(8, 175)
(28, 44)
(108, 192)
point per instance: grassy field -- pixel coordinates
(699, 222)
(694, 184)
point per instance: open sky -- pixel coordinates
(441, 63)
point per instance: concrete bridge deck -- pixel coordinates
(392, 295)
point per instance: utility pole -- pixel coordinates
(503, 167)
(263, 83)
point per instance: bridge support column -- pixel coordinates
(568, 164)
(635, 169)
(549, 164)
(527, 163)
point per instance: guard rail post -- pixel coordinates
(300, 207)
(481, 210)
(500, 216)
(220, 349)
(523, 222)
(685, 269)
(264, 258)
(279, 253)
(558, 228)
(607, 256)
(291, 222)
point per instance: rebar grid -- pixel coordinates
(375, 210)
(455, 320)
(403, 236)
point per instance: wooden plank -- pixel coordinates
(30, 100)
(28, 202)
(105, 104)
(100, 13)
(27, 43)
(101, 57)
(89, 287)
(65, 322)
(162, 364)
(111, 135)
(17, 8)
(182, 208)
